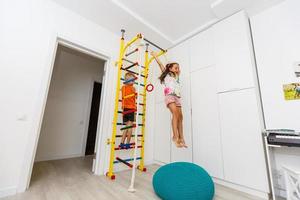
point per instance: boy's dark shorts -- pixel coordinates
(129, 116)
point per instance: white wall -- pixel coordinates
(28, 32)
(66, 118)
(277, 45)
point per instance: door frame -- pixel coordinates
(31, 148)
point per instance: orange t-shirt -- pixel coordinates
(130, 101)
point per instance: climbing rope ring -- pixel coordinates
(149, 87)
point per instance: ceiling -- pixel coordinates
(166, 22)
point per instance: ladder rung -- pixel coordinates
(121, 124)
(126, 127)
(131, 62)
(128, 60)
(121, 112)
(141, 104)
(131, 136)
(126, 160)
(131, 147)
(141, 84)
(130, 80)
(132, 72)
(129, 111)
(128, 54)
(132, 65)
(128, 96)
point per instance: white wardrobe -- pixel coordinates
(222, 116)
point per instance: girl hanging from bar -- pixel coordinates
(170, 78)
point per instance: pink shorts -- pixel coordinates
(172, 99)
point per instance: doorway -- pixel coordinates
(93, 120)
(70, 121)
(34, 142)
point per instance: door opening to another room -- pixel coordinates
(93, 122)
(62, 128)
(70, 122)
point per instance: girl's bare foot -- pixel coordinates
(177, 144)
(174, 139)
(182, 143)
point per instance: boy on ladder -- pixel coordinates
(129, 108)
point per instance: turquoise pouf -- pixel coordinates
(183, 181)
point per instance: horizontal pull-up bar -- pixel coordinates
(155, 45)
(137, 37)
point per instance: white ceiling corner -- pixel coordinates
(215, 3)
(141, 19)
(173, 18)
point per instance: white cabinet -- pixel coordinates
(201, 51)
(233, 53)
(243, 153)
(207, 150)
(162, 133)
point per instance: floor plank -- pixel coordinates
(72, 179)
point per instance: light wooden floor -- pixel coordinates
(72, 179)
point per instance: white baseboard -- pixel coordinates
(149, 162)
(159, 162)
(9, 191)
(58, 157)
(243, 189)
(280, 192)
